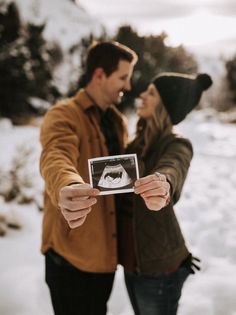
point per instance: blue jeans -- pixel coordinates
(156, 295)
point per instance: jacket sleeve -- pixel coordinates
(174, 163)
(59, 156)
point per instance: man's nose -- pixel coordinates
(127, 85)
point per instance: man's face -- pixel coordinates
(113, 86)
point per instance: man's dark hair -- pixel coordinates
(106, 55)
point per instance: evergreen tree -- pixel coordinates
(12, 58)
(154, 57)
(42, 60)
(81, 49)
(9, 23)
(25, 66)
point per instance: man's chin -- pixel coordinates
(118, 100)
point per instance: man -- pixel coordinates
(79, 226)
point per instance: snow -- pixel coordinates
(205, 212)
(66, 22)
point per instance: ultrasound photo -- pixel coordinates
(113, 174)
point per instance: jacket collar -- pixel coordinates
(83, 100)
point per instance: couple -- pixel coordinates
(86, 235)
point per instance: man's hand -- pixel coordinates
(154, 189)
(76, 202)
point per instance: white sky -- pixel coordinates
(191, 22)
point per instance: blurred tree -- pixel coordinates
(43, 59)
(26, 67)
(9, 23)
(231, 77)
(81, 49)
(154, 57)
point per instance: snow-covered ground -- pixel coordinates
(206, 213)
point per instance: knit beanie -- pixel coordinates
(180, 93)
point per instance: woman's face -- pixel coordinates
(150, 99)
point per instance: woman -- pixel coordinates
(152, 248)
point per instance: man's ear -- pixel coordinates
(99, 73)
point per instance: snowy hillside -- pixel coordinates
(211, 56)
(67, 22)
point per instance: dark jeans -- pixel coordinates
(74, 292)
(156, 295)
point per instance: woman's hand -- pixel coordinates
(154, 189)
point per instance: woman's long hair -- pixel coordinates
(152, 129)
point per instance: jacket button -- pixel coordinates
(112, 212)
(114, 235)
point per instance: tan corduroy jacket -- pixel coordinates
(70, 135)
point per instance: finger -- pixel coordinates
(148, 179)
(152, 185)
(75, 215)
(73, 192)
(160, 176)
(80, 198)
(156, 192)
(79, 204)
(155, 204)
(76, 223)
(83, 192)
(145, 180)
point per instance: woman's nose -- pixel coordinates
(142, 95)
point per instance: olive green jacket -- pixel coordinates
(151, 242)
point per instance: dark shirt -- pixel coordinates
(107, 124)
